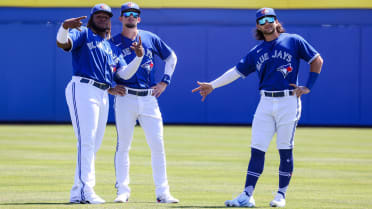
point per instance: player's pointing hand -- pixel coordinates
(137, 47)
(204, 88)
(74, 22)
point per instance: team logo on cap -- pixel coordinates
(264, 11)
(285, 69)
(130, 4)
(103, 6)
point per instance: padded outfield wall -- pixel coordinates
(207, 40)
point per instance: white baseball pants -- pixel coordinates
(275, 114)
(88, 106)
(128, 109)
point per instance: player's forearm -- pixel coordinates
(315, 68)
(226, 78)
(63, 39)
(129, 70)
(316, 65)
(170, 65)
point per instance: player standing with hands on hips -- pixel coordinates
(94, 61)
(140, 103)
(276, 60)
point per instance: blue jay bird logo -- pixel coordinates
(285, 69)
(148, 65)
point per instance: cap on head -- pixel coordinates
(101, 8)
(265, 12)
(130, 6)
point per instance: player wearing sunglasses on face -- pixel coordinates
(276, 60)
(140, 103)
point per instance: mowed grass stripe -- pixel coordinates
(206, 166)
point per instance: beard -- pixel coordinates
(269, 32)
(99, 29)
(130, 25)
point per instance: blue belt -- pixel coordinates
(99, 85)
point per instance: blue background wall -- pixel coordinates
(207, 42)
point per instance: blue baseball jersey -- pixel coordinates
(144, 78)
(277, 61)
(93, 56)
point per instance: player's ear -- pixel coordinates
(139, 20)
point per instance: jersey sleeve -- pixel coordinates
(77, 37)
(163, 50)
(306, 51)
(120, 61)
(246, 66)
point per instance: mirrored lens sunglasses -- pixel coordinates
(262, 21)
(128, 14)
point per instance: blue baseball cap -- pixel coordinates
(265, 12)
(130, 6)
(101, 8)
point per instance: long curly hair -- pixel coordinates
(260, 36)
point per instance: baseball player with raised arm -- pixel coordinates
(140, 104)
(276, 60)
(94, 61)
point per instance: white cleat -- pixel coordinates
(122, 198)
(93, 199)
(243, 200)
(278, 201)
(167, 198)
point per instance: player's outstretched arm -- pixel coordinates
(62, 35)
(204, 89)
(226, 78)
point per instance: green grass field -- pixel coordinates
(206, 166)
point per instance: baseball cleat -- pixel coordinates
(278, 201)
(122, 198)
(93, 199)
(243, 200)
(74, 201)
(167, 198)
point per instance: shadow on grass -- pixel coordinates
(195, 206)
(37, 203)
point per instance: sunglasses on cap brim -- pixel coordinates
(269, 19)
(128, 14)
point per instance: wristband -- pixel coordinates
(62, 35)
(166, 79)
(311, 80)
